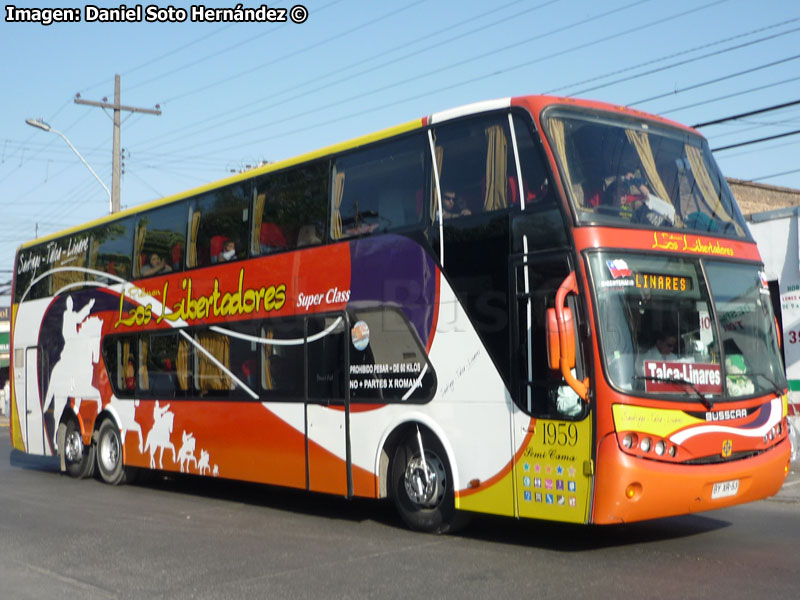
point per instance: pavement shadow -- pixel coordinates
(33, 462)
(568, 537)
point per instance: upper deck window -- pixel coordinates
(110, 249)
(378, 189)
(290, 209)
(620, 171)
(160, 241)
(477, 171)
(218, 226)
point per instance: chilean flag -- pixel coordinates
(619, 268)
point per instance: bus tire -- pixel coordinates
(109, 454)
(424, 505)
(76, 458)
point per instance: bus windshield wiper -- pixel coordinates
(706, 401)
(778, 391)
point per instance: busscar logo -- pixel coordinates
(727, 448)
(726, 415)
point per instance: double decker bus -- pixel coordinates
(534, 307)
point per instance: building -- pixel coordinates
(773, 214)
(758, 197)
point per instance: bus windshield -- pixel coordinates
(661, 334)
(627, 172)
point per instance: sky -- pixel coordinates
(232, 94)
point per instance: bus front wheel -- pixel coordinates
(76, 459)
(109, 454)
(423, 490)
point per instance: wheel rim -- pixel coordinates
(73, 447)
(425, 487)
(109, 453)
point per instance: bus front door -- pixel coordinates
(553, 470)
(328, 462)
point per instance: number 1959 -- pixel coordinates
(560, 434)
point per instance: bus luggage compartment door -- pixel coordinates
(328, 461)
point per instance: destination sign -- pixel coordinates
(663, 282)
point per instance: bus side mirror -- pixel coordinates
(565, 333)
(553, 339)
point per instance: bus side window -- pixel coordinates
(535, 183)
(110, 249)
(126, 361)
(160, 241)
(326, 365)
(290, 209)
(477, 170)
(379, 188)
(30, 264)
(283, 363)
(218, 226)
(212, 364)
(163, 366)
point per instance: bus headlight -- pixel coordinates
(660, 447)
(645, 445)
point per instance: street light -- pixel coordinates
(39, 124)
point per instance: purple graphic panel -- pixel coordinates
(395, 270)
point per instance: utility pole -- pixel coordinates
(115, 162)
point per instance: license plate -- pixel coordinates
(724, 489)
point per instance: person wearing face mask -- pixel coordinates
(228, 251)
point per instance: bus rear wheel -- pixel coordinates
(109, 454)
(76, 459)
(423, 490)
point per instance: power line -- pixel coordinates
(350, 31)
(719, 79)
(674, 55)
(776, 175)
(217, 53)
(728, 96)
(759, 140)
(473, 79)
(747, 114)
(341, 80)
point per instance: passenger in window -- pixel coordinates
(452, 206)
(130, 375)
(664, 349)
(623, 197)
(308, 236)
(156, 266)
(630, 196)
(248, 371)
(228, 251)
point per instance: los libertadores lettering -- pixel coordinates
(243, 301)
